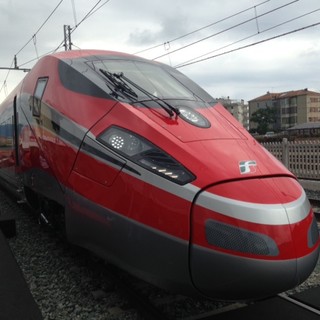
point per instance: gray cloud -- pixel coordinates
(168, 28)
(287, 63)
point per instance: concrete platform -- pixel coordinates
(7, 225)
(16, 300)
(310, 297)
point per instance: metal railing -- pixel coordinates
(301, 157)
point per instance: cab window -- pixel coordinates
(37, 96)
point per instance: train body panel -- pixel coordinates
(153, 175)
(144, 251)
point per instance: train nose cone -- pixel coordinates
(252, 238)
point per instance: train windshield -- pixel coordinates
(154, 79)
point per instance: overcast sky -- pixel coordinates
(289, 62)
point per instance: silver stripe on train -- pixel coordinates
(269, 214)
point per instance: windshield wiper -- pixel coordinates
(119, 85)
(119, 82)
(171, 110)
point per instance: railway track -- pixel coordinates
(299, 306)
(304, 305)
(295, 306)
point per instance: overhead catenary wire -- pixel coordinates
(42, 25)
(251, 44)
(93, 10)
(5, 88)
(6, 78)
(87, 15)
(225, 30)
(96, 7)
(246, 38)
(74, 12)
(202, 28)
(35, 45)
(32, 39)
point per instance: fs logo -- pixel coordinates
(247, 166)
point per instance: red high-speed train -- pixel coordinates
(141, 166)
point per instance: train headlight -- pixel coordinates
(145, 154)
(125, 143)
(194, 117)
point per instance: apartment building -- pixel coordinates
(292, 108)
(238, 109)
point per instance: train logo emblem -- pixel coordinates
(247, 166)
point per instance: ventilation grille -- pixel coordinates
(232, 238)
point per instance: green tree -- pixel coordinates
(264, 118)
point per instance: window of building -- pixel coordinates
(293, 101)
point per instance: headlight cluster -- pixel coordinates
(193, 117)
(145, 154)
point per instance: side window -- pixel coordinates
(38, 93)
(6, 133)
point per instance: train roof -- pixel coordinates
(86, 52)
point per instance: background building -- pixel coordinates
(238, 109)
(291, 108)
